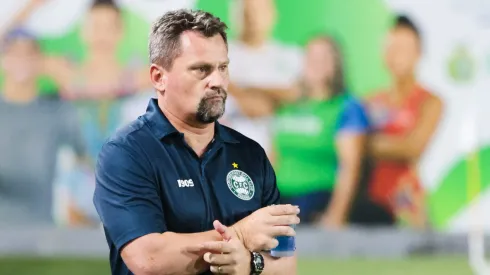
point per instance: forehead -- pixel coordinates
(195, 46)
(103, 13)
(320, 44)
(402, 35)
(259, 4)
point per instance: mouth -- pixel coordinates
(215, 97)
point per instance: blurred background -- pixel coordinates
(373, 113)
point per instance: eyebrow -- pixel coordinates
(199, 65)
(207, 64)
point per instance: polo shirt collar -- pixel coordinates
(222, 133)
(161, 127)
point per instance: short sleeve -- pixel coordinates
(125, 197)
(353, 118)
(271, 193)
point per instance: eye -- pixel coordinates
(223, 68)
(202, 69)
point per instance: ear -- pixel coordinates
(158, 77)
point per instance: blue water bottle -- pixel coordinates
(286, 247)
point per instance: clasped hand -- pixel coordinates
(228, 256)
(256, 232)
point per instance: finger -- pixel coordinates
(218, 259)
(195, 248)
(282, 230)
(284, 220)
(271, 244)
(283, 209)
(222, 269)
(219, 246)
(223, 230)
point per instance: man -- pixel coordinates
(163, 180)
(34, 130)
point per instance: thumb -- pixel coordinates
(223, 230)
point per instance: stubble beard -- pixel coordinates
(210, 110)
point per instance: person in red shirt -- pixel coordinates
(404, 117)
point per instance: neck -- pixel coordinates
(405, 85)
(197, 136)
(318, 91)
(19, 92)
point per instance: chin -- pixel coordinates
(209, 119)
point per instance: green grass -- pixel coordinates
(415, 266)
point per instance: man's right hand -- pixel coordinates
(259, 230)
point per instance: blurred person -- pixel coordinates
(34, 129)
(320, 139)
(94, 119)
(107, 93)
(262, 71)
(100, 75)
(165, 180)
(405, 116)
(100, 84)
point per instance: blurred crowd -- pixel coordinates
(344, 160)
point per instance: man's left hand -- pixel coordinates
(228, 256)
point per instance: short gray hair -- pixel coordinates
(164, 41)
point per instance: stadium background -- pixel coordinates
(455, 65)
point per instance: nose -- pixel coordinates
(217, 80)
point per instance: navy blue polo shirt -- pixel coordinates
(150, 181)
